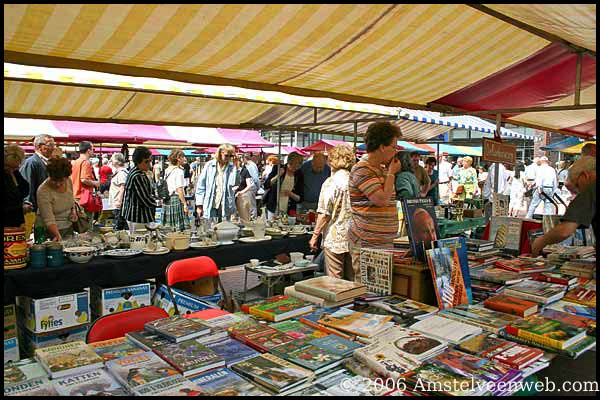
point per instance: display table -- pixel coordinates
(450, 227)
(273, 276)
(111, 272)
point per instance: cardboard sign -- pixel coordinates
(494, 151)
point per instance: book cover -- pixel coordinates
(232, 351)
(573, 351)
(473, 366)
(152, 325)
(140, 369)
(273, 372)
(447, 277)
(451, 383)
(581, 295)
(308, 356)
(68, 358)
(555, 277)
(182, 329)
(446, 329)
(23, 370)
(376, 270)
(546, 331)
(330, 288)
(521, 265)
(225, 321)
(32, 387)
(570, 319)
(484, 345)
(517, 356)
(458, 245)
(497, 275)
(225, 382)
(486, 286)
(511, 305)
(406, 307)
(146, 340)
(189, 357)
(506, 233)
(247, 328)
(543, 292)
(336, 345)
(312, 320)
(92, 383)
(285, 308)
(356, 323)
(266, 340)
(317, 301)
(115, 348)
(480, 316)
(422, 224)
(573, 308)
(298, 330)
(175, 385)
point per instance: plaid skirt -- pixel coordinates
(173, 214)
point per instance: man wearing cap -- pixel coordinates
(581, 211)
(445, 175)
(546, 182)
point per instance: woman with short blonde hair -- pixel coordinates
(467, 178)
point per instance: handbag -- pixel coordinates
(82, 224)
(89, 200)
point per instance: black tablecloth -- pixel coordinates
(104, 271)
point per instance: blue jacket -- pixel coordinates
(205, 188)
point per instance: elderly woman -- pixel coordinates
(215, 196)
(406, 183)
(139, 204)
(290, 181)
(467, 178)
(16, 187)
(55, 200)
(335, 214)
(175, 211)
(117, 189)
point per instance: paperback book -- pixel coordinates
(23, 370)
(189, 357)
(225, 382)
(545, 331)
(298, 330)
(152, 325)
(446, 329)
(376, 270)
(356, 323)
(407, 308)
(232, 351)
(509, 353)
(140, 369)
(498, 275)
(273, 373)
(182, 329)
(91, 383)
(448, 280)
(451, 383)
(422, 224)
(506, 233)
(145, 339)
(331, 289)
(291, 291)
(68, 359)
(459, 247)
(581, 295)
(308, 355)
(281, 308)
(478, 315)
(175, 385)
(540, 292)
(312, 320)
(33, 387)
(511, 305)
(115, 348)
(574, 320)
(573, 308)
(555, 277)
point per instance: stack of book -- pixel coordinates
(258, 336)
(326, 291)
(68, 359)
(523, 265)
(138, 370)
(479, 245)
(558, 278)
(481, 260)
(509, 353)
(539, 292)
(482, 290)
(478, 315)
(511, 305)
(579, 268)
(277, 308)
(446, 329)
(582, 295)
(96, 383)
(225, 382)
(356, 323)
(497, 275)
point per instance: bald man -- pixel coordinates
(315, 172)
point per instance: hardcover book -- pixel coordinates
(517, 356)
(407, 308)
(474, 366)
(452, 383)
(273, 372)
(189, 357)
(224, 321)
(446, 329)
(330, 288)
(486, 286)
(376, 269)
(152, 325)
(542, 292)
(182, 329)
(511, 305)
(92, 383)
(581, 295)
(266, 340)
(68, 359)
(307, 355)
(447, 277)
(549, 332)
(497, 275)
(232, 351)
(506, 233)
(478, 315)
(422, 224)
(522, 266)
(23, 370)
(573, 308)
(146, 340)
(298, 330)
(32, 387)
(356, 323)
(459, 246)
(555, 277)
(291, 291)
(115, 348)
(281, 309)
(225, 382)
(570, 319)
(247, 328)
(336, 345)
(140, 369)
(175, 385)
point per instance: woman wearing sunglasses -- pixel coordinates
(215, 197)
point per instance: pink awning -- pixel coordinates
(244, 138)
(324, 145)
(117, 133)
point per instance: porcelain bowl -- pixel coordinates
(80, 254)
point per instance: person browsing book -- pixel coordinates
(374, 221)
(581, 211)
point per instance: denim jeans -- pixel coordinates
(549, 208)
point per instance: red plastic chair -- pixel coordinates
(118, 324)
(191, 269)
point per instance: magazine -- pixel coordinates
(458, 245)
(422, 224)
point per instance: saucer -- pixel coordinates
(253, 239)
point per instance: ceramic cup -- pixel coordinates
(254, 262)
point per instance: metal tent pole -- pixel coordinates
(497, 164)
(277, 176)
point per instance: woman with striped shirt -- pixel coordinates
(139, 203)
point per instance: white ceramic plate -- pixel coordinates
(159, 252)
(200, 245)
(227, 242)
(254, 239)
(122, 253)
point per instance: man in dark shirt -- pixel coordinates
(34, 168)
(581, 211)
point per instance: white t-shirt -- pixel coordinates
(445, 171)
(175, 180)
(117, 180)
(546, 177)
(488, 186)
(531, 171)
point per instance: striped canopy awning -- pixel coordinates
(577, 148)
(415, 56)
(562, 144)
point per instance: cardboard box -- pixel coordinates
(187, 303)
(200, 287)
(473, 213)
(31, 341)
(10, 322)
(11, 350)
(413, 280)
(106, 301)
(53, 313)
